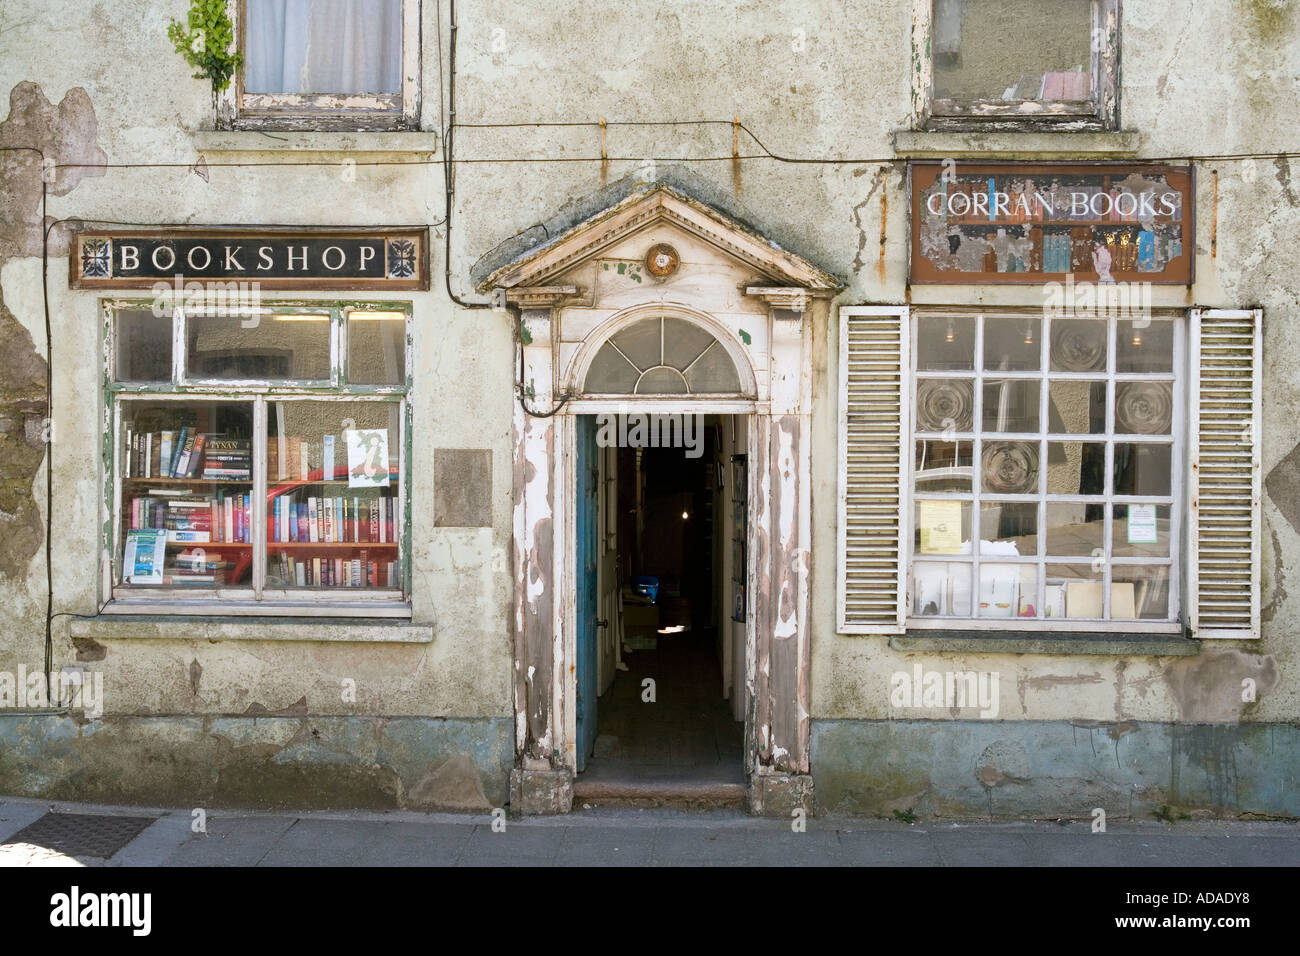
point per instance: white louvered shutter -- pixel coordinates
(1224, 435)
(873, 433)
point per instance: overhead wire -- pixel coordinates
(448, 161)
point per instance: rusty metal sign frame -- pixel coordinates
(92, 267)
(922, 174)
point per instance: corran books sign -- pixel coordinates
(1030, 223)
(395, 259)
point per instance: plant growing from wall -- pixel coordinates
(206, 41)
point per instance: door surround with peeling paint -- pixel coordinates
(761, 303)
(743, 403)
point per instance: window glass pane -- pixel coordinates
(1008, 590)
(186, 494)
(1078, 345)
(287, 347)
(323, 46)
(1140, 591)
(943, 465)
(1141, 531)
(684, 342)
(1011, 344)
(1142, 469)
(610, 373)
(1144, 408)
(1073, 590)
(982, 49)
(1075, 529)
(1011, 405)
(332, 495)
(1144, 346)
(945, 343)
(661, 381)
(144, 346)
(1076, 468)
(1076, 408)
(376, 348)
(944, 405)
(712, 372)
(642, 343)
(1009, 467)
(1009, 527)
(941, 589)
(941, 527)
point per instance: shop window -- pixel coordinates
(1018, 64)
(326, 64)
(257, 468)
(1045, 470)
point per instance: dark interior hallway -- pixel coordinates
(685, 736)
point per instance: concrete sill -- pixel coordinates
(1038, 642)
(291, 145)
(998, 145)
(342, 630)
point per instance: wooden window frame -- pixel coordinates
(1176, 501)
(1100, 112)
(326, 112)
(256, 598)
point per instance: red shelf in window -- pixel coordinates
(283, 545)
(137, 480)
(317, 545)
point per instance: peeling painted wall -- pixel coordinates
(1196, 77)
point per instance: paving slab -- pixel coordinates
(606, 846)
(607, 836)
(15, 815)
(518, 843)
(231, 841)
(163, 838)
(966, 848)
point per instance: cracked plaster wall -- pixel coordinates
(1214, 77)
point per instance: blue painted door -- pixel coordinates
(586, 486)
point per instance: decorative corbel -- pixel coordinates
(541, 296)
(788, 303)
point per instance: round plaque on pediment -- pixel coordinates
(662, 260)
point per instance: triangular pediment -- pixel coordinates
(651, 208)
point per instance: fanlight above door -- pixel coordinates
(662, 356)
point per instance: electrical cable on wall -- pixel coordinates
(448, 162)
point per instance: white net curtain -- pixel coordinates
(324, 46)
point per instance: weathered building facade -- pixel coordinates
(987, 313)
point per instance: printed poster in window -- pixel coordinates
(1142, 526)
(143, 561)
(367, 457)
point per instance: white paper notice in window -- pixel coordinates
(940, 524)
(1142, 524)
(143, 561)
(367, 457)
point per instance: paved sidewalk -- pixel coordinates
(631, 837)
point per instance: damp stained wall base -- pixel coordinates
(378, 763)
(1029, 769)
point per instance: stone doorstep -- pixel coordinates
(660, 793)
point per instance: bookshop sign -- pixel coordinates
(1039, 222)
(389, 259)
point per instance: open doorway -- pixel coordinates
(664, 548)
